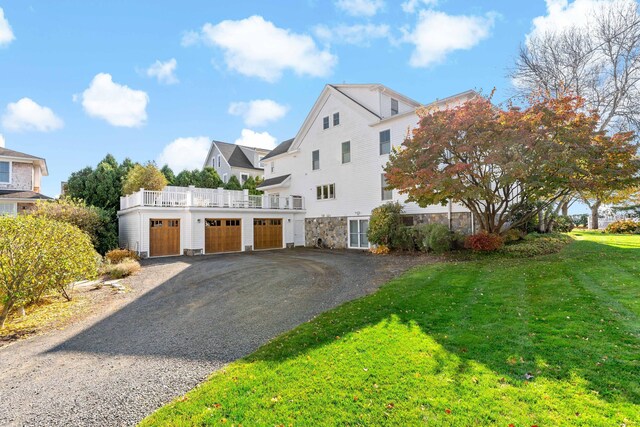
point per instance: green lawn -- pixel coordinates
(450, 344)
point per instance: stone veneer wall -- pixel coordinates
(460, 221)
(333, 231)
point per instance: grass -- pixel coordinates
(452, 344)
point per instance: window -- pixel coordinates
(325, 123)
(224, 178)
(336, 119)
(346, 152)
(273, 167)
(358, 233)
(386, 194)
(315, 160)
(327, 191)
(394, 107)
(260, 163)
(5, 172)
(243, 178)
(385, 142)
(219, 160)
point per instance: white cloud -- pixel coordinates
(438, 34)
(359, 34)
(360, 7)
(185, 153)
(164, 71)
(117, 104)
(2, 142)
(410, 6)
(27, 115)
(258, 112)
(190, 38)
(255, 47)
(250, 138)
(6, 33)
(561, 14)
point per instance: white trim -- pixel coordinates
(11, 172)
(357, 218)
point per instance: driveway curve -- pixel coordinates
(184, 318)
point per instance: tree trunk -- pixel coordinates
(594, 215)
(565, 208)
(541, 222)
(5, 312)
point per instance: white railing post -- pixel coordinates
(140, 197)
(245, 198)
(190, 195)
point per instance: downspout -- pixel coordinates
(450, 207)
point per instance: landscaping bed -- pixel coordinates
(547, 340)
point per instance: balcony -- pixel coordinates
(183, 197)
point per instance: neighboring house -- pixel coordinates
(336, 161)
(20, 176)
(231, 159)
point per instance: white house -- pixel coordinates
(239, 160)
(336, 161)
(20, 176)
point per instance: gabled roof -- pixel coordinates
(22, 195)
(283, 147)
(234, 155)
(18, 155)
(272, 182)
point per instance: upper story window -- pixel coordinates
(394, 107)
(336, 119)
(224, 178)
(273, 167)
(325, 123)
(315, 160)
(243, 178)
(327, 191)
(346, 152)
(5, 172)
(385, 141)
(219, 156)
(387, 194)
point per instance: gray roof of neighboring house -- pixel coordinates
(273, 181)
(235, 155)
(19, 155)
(283, 147)
(21, 194)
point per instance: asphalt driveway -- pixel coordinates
(184, 318)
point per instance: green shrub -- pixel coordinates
(623, 226)
(116, 256)
(563, 224)
(484, 242)
(38, 254)
(124, 268)
(513, 235)
(148, 177)
(535, 244)
(439, 239)
(386, 226)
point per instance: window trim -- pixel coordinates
(342, 153)
(243, 180)
(380, 142)
(397, 110)
(358, 219)
(333, 118)
(330, 191)
(219, 160)
(313, 162)
(10, 163)
(326, 123)
(382, 189)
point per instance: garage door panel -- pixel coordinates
(267, 233)
(164, 237)
(223, 235)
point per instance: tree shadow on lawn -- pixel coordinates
(561, 316)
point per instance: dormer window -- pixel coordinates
(325, 123)
(394, 107)
(336, 119)
(5, 172)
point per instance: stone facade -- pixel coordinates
(460, 221)
(21, 177)
(25, 208)
(329, 232)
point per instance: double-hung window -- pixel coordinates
(387, 194)
(325, 122)
(385, 142)
(394, 107)
(346, 152)
(327, 191)
(315, 160)
(336, 119)
(5, 172)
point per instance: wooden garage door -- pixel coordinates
(164, 237)
(222, 235)
(267, 233)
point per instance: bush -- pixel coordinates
(38, 254)
(535, 244)
(148, 177)
(483, 241)
(124, 268)
(386, 227)
(513, 235)
(439, 239)
(116, 256)
(563, 224)
(624, 226)
(380, 250)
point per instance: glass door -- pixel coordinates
(358, 233)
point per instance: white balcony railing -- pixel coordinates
(210, 198)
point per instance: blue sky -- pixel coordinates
(77, 78)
